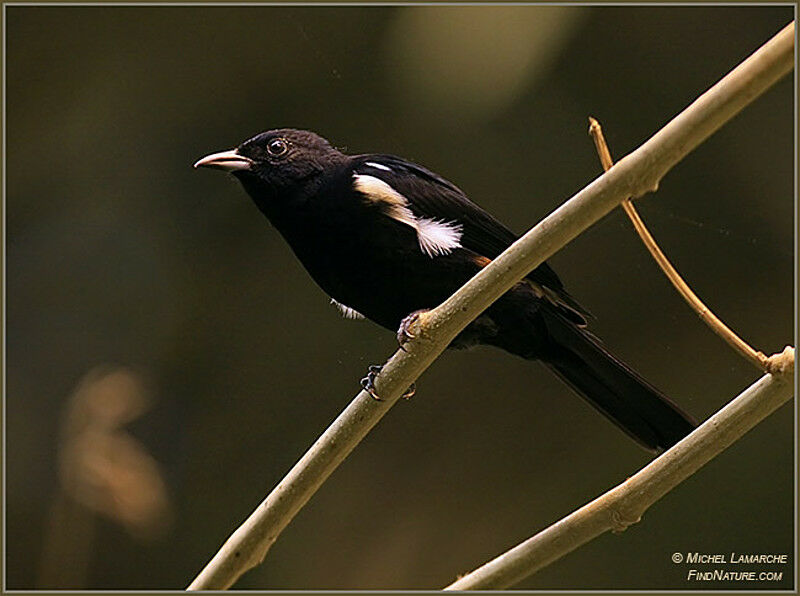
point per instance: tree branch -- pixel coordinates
(632, 176)
(625, 504)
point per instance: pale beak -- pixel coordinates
(230, 161)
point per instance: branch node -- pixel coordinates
(620, 523)
(781, 364)
(420, 325)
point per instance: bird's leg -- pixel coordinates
(368, 383)
(403, 332)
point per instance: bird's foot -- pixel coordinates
(368, 383)
(404, 331)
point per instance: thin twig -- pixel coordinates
(634, 175)
(625, 504)
(758, 359)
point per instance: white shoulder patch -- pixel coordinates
(377, 190)
(380, 166)
(435, 237)
(346, 311)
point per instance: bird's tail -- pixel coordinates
(630, 402)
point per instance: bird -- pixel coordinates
(387, 239)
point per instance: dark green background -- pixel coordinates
(118, 252)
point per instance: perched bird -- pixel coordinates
(386, 238)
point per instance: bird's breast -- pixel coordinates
(372, 263)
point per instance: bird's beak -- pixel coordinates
(230, 161)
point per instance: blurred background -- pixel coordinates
(169, 360)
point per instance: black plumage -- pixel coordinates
(384, 237)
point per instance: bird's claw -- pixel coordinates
(368, 384)
(403, 332)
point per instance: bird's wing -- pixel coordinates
(429, 197)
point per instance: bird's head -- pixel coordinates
(277, 164)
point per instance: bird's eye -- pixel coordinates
(277, 147)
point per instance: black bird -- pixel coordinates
(386, 238)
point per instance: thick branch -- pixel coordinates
(626, 503)
(632, 176)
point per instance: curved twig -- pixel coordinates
(757, 358)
